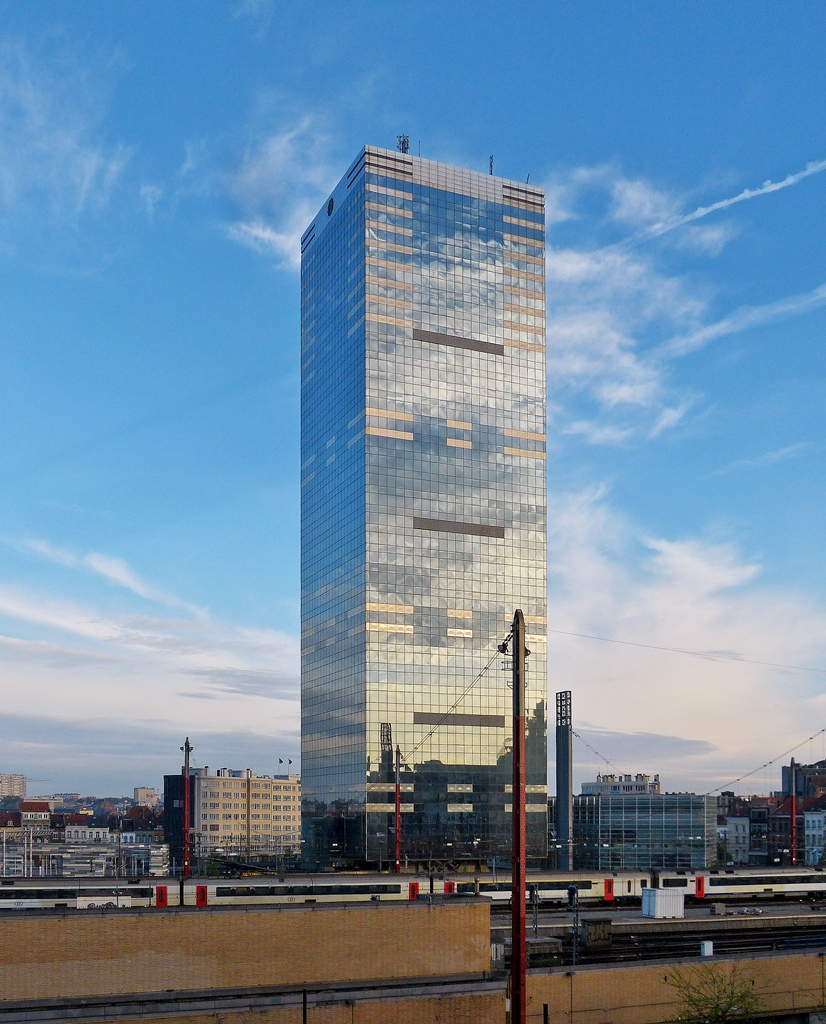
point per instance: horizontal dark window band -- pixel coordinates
(449, 526)
(358, 166)
(395, 166)
(475, 721)
(432, 338)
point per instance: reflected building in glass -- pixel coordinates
(424, 509)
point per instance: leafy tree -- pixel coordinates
(714, 994)
(10, 803)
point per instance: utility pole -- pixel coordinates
(573, 904)
(518, 977)
(398, 810)
(187, 749)
(793, 821)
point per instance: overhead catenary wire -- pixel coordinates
(760, 768)
(709, 655)
(454, 705)
(594, 750)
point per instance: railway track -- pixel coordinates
(628, 948)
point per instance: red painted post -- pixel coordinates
(793, 822)
(398, 811)
(518, 986)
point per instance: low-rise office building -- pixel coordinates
(623, 832)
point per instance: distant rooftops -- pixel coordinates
(622, 784)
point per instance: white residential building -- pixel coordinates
(88, 834)
(813, 828)
(737, 840)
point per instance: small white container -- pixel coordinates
(707, 948)
(663, 903)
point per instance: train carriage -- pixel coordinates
(552, 887)
(745, 883)
(309, 889)
(86, 893)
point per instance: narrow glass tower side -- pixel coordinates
(424, 509)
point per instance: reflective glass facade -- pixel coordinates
(625, 832)
(423, 509)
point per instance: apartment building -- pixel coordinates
(234, 810)
(12, 785)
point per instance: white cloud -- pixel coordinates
(151, 196)
(83, 663)
(194, 157)
(593, 433)
(746, 317)
(669, 418)
(791, 451)
(115, 570)
(50, 143)
(196, 675)
(607, 580)
(264, 239)
(254, 9)
(604, 307)
(618, 317)
(282, 180)
(672, 221)
(638, 202)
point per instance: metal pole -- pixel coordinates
(519, 1002)
(575, 929)
(793, 822)
(187, 749)
(535, 909)
(304, 1007)
(398, 810)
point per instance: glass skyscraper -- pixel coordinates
(424, 509)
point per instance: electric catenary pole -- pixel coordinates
(398, 810)
(187, 749)
(518, 977)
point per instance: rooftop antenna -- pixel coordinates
(403, 143)
(491, 163)
(420, 147)
(528, 179)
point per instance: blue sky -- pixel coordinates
(157, 165)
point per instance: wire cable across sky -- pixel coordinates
(754, 771)
(709, 655)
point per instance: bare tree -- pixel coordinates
(714, 994)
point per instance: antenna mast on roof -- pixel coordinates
(403, 143)
(491, 163)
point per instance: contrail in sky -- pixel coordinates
(814, 167)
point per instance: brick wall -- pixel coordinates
(124, 952)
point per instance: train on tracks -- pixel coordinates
(596, 888)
